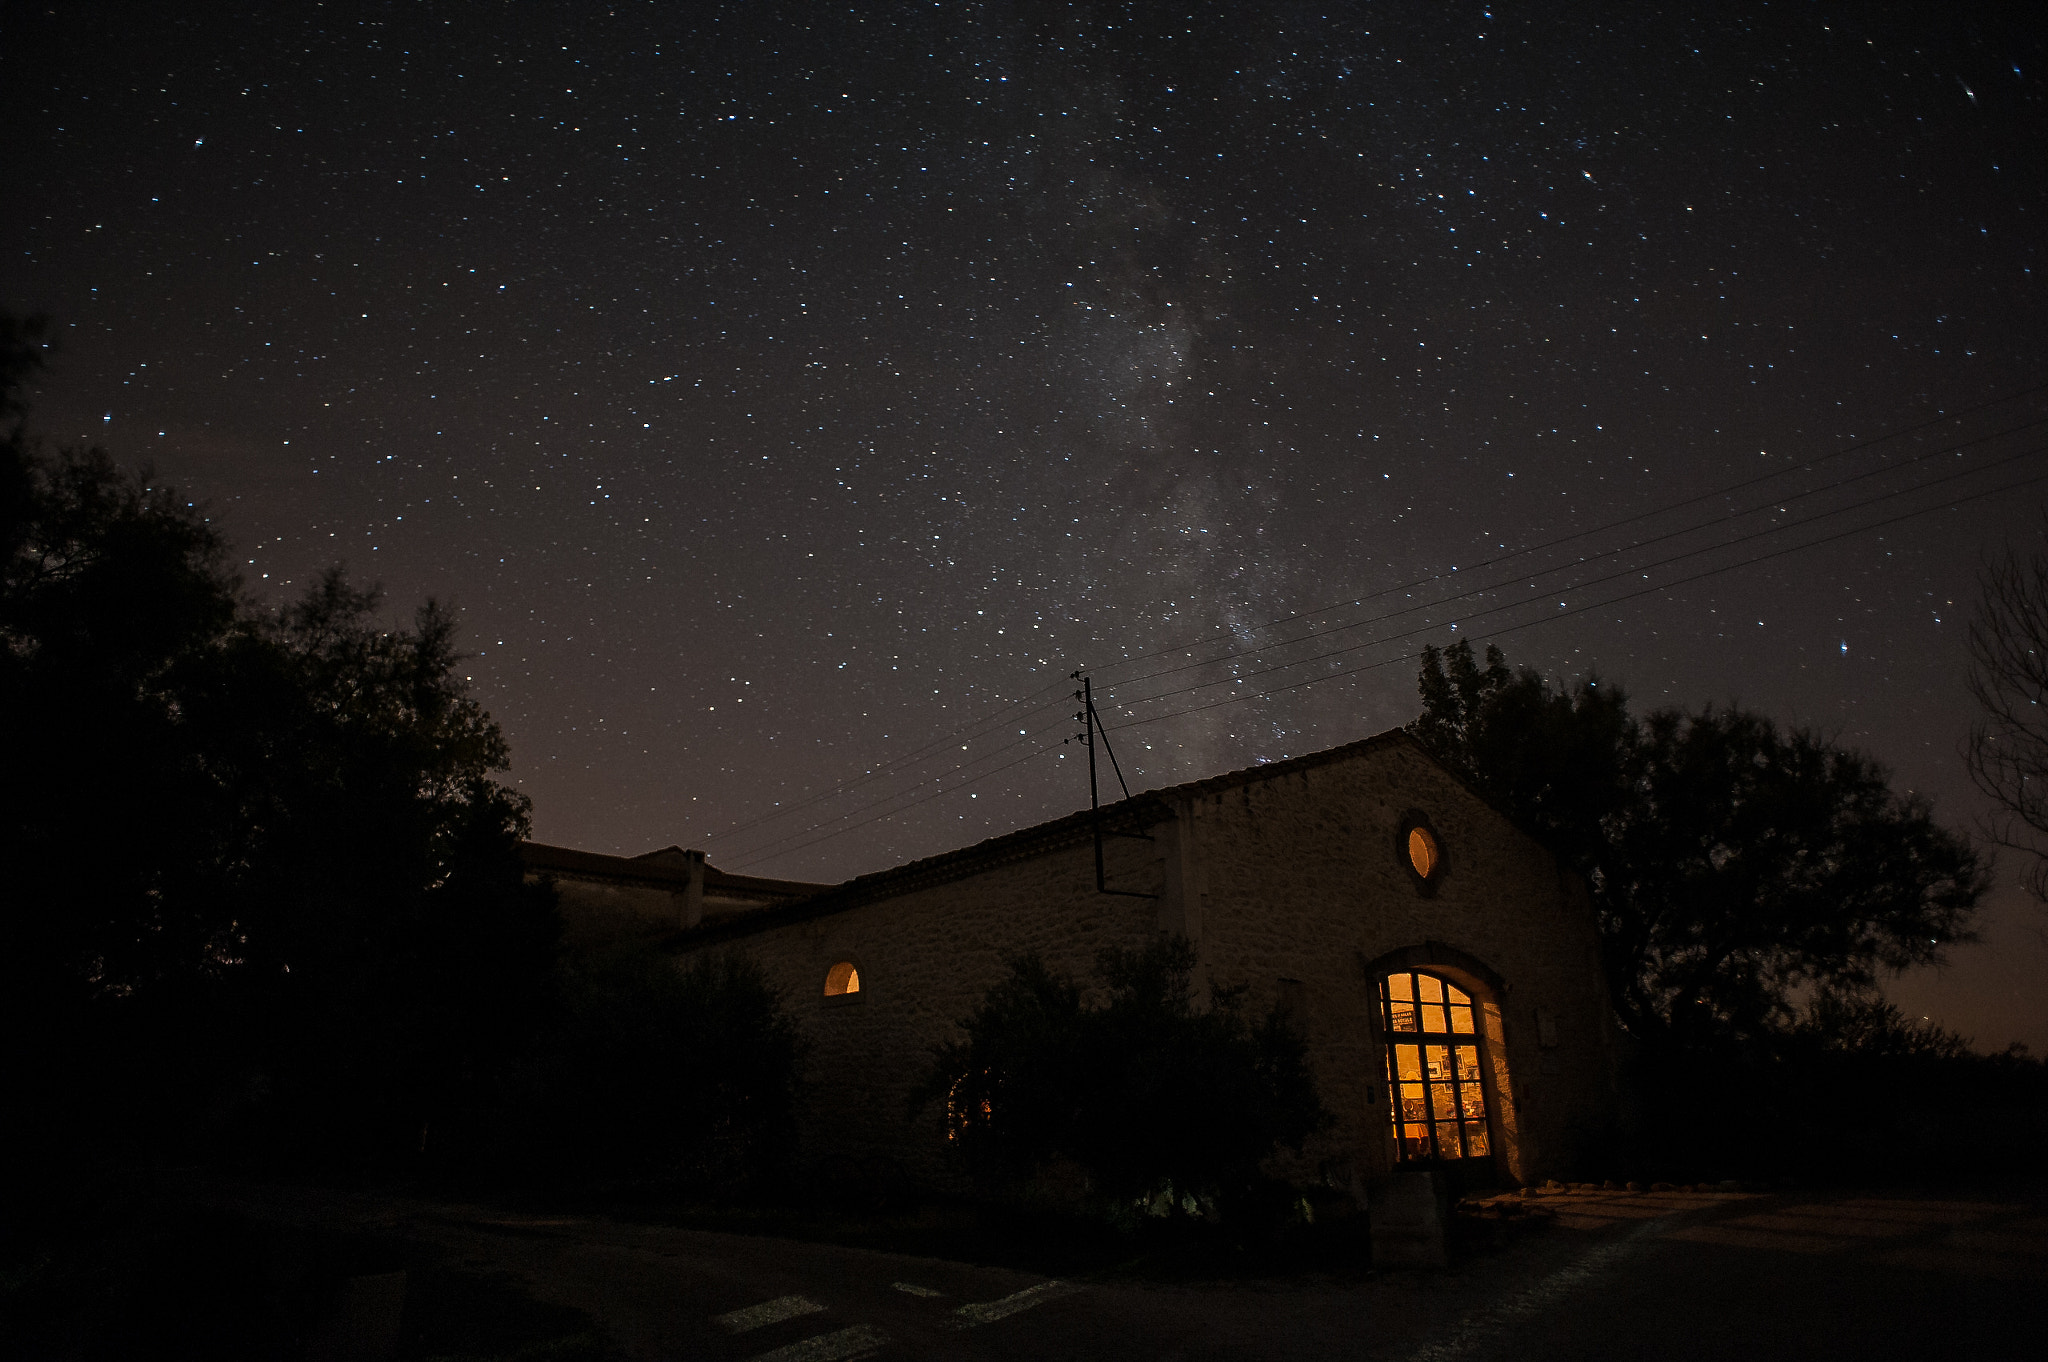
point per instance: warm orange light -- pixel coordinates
(960, 1115)
(842, 978)
(1422, 851)
(1434, 1073)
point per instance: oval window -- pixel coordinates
(842, 978)
(1423, 853)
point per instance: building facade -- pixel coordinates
(656, 894)
(1443, 969)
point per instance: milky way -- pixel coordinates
(783, 391)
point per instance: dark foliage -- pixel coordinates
(1854, 1093)
(681, 1077)
(1734, 867)
(380, 913)
(262, 880)
(1146, 1093)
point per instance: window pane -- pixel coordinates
(1436, 1090)
(1422, 852)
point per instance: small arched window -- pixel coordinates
(1433, 1068)
(842, 979)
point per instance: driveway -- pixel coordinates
(1616, 1275)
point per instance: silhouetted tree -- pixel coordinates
(2008, 746)
(371, 865)
(250, 852)
(1734, 867)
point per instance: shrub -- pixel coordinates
(678, 1072)
(1855, 1093)
(1151, 1096)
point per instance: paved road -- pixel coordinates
(1668, 1276)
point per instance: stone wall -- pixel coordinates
(1289, 880)
(596, 911)
(1303, 879)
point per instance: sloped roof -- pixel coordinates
(668, 868)
(1151, 806)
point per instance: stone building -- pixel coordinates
(1410, 929)
(655, 894)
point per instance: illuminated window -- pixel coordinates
(1423, 853)
(1433, 1070)
(1420, 851)
(842, 978)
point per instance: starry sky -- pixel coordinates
(791, 396)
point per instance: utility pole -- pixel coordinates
(1093, 726)
(1094, 802)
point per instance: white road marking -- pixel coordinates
(768, 1312)
(861, 1338)
(526, 1222)
(1489, 1326)
(984, 1312)
(913, 1289)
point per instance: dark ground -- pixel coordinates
(255, 1270)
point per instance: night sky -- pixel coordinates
(791, 396)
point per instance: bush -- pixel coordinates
(1856, 1093)
(677, 1073)
(1152, 1098)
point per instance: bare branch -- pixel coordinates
(2008, 745)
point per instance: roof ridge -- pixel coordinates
(547, 856)
(1025, 841)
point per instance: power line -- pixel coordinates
(855, 782)
(1579, 586)
(1650, 514)
(763, 849)
(1580, 562)
(1009, 713)
(907, 807)
(1695, 528)
(1267, 692)
(1581, 609)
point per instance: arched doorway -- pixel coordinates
(1436, 1074)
